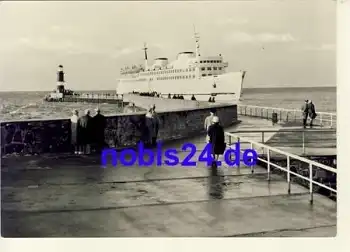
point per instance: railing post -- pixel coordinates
(295, 116)
(303, 141)
(311, 185)
(262, 113)
(263, 141)
(245, 111)
(239, 163)
(262, 136)
(280, 115)
(252, 166)
(321, 119)
(268, 165)
(288, 173)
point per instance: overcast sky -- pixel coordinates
(279, 43)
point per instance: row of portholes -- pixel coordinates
(169, 71)
(177, 77)
(210, 61)
(209, 68)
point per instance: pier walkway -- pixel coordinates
(68, 196)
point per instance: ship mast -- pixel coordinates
(146, 61)
(196, 37)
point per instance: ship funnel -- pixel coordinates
(161, 62)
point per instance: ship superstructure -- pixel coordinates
(189, 74)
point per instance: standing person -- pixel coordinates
(217, 138)
(149, 129)
(74, 131)
(208, 122)
(218, 146)
(311, 112)
(305, 111)
(98, 126)
(156, 123)
(84, 132)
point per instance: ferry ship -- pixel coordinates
(190, 74)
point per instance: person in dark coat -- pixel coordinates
(311, 112)
(149, 129)
(216, 138)
(217, 141)
(85, 132)
(156, 123)
(98, 125)
(305, 112)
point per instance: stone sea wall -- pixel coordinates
(32, 137)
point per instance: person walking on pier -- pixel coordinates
(85, 132)
(98, 127)
(74, 131)
(217, 138)
(311, 112)
(305, 111)
(208, 122)
(218, 146)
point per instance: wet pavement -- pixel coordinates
(69, 196)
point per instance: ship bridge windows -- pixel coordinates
(220, 68)
(215, 68)
(203, 68)
(204, 75)
(209, 68)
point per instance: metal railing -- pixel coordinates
(233, 138)
(304, 141)
(324, 119)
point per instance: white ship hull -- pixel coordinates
(226, 87)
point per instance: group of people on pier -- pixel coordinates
(150, 94)
(176, 97)
(309, 111)
(87, 132)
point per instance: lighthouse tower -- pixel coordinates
(60, 80)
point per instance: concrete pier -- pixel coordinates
(47, 192)
(69, 196)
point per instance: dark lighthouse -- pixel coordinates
(60, 80)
